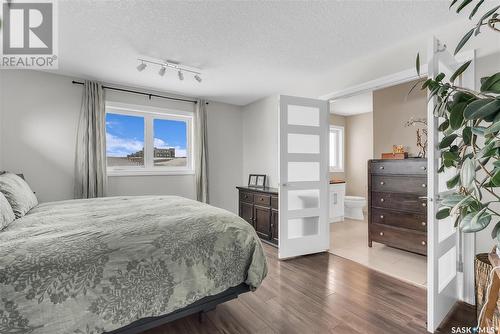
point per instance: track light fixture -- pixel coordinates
(162, 71)
(141, 67)
(164, 65)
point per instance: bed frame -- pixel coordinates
(201, 306)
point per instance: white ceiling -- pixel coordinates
(357, 104)
(247, 50)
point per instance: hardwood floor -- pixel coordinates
(321, 293)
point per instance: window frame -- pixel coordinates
(340, 150)
(149, 114)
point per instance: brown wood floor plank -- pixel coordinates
(322, 293)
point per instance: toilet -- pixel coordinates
(353, 207)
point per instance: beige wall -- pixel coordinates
(391, 108)
(359, 149)
(339, 121)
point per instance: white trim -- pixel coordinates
(146, 172)
(379, 83)
(341, 152)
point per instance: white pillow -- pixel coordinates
(18, 193)
(7, 216)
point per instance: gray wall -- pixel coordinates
(40, 114)
(260, 139)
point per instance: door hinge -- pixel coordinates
(460, 266)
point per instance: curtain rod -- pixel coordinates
(140, 93)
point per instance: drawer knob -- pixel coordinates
(381, 216)
(382, 183)
(424, 204)
(381, 167)
(423, 168)
(424, 185)
(424, 223)
(381, 233)
(424, 243)
(381, 200)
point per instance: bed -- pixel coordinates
(122, 264)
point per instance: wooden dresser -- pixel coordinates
(397, 204)
(259, 207)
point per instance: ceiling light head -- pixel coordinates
(181, 75)
(162, 71)
(141, 67)
(197, 77)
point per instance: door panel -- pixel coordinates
(262, 219)
(445, 282)
(303, 166)
(246, 212)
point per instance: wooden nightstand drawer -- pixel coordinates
(246, 197)
(406, 167)
(409, 220)
(262, 199)
(399, 184)
(401, 202)
(414, 241)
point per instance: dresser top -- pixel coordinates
(267, 190)
(399, 160)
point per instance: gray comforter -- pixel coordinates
(88, 266)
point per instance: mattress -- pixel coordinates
(95, 265)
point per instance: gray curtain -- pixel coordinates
(201, 152)
(90, 164)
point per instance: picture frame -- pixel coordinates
(257, 180)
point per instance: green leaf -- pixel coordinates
(439, 77)
(489, 109)
(491, 84)
(478, 130)
(460, 70)
(426, 83)
(451, 183)
(495, 180)
(463, 41)
(443, 126)
(462, 204)
(457, 115)
(467, 173)
(467, 135)
(489, 13)
(462, 97)
(495, 127)
(447, 141)
(443, 213)
(463, 5)
(474, 11)
(495, 233)
(452, 199)
(417, 64)
(473, 108)
(453, 2)
(477, 221)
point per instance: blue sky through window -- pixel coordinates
(125, 135)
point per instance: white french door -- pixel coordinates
(445, 277)
(303, 176)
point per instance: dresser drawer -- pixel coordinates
(409, 220)
(405, 167)
(400, 202)
(262, 199)
(246, 197)
(399, 184)
(413, 241)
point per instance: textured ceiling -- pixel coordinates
(247, 50)
(357, 104)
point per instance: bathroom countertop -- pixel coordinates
(336, 181)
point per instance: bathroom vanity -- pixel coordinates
(337, 195)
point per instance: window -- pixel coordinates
(336, 148)
(148, 141)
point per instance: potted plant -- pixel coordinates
(471, 142)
